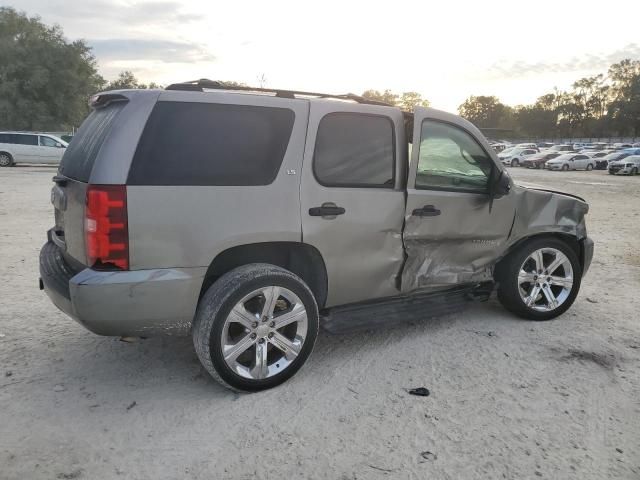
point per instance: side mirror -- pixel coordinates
(503, 185)
(499, 187)
(59, 145)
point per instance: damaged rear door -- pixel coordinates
(454, 231)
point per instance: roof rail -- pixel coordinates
(204, 83)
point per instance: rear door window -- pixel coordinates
(211, 144)
(81, 154)
(26, 139)
(355, 150)
(5, 138)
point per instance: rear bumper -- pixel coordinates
(128, 303)
(587, 254)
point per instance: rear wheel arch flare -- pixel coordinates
(299, 258)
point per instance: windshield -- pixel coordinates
(614, 156)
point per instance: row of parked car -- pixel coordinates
(618, 159)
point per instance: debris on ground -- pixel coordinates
(8, 373)
(427, 455)
(133, 404)
(420, 392)
(129, 339)
(59, 388)
(591, 300)
(381, 469)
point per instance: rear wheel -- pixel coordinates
(589, 167)
(565, 167)
(541, 280)
(515, 162)
(5, 160)
(255, 327)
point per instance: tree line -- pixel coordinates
(45, 82)
(597, 106)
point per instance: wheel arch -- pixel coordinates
(571, 240)
(299, 258)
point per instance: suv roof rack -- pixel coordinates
(200, 85)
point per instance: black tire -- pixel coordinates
(610, 172)
(515, 162)
(215, 306)
(634, 171)
(6, 160)
(565, 168)
(507, 276)
(589, 167)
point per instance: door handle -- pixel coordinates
(426, 211)
(326, 210)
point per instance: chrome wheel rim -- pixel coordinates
(264, 332)
(545, 279)
(5, 160)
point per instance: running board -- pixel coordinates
(401, 309)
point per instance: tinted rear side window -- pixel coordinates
(354, 150)
(81, 153)
(5, 138)
(26, 139)
(211, 144)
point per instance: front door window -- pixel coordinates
(450, 159)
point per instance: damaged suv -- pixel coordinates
(247, 217)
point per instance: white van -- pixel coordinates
(21, 147)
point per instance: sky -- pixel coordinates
(445, 50)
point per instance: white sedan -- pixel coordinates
(514, 156)
(626, 166)
(571, 161)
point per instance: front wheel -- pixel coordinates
(634, 171)
(515, 162)
(255, 327)
(565, 168)
(589, 167)
(540, 280)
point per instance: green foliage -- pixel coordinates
(407, 101)
(486, 112)
(127, 80)
(597, 106)
(45, 81)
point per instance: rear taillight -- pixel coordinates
(105, 227)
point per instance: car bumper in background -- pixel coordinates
(127, 303)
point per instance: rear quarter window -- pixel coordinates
(79, 157)
(211, 144)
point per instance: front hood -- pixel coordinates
(533, 186)
(617, 163)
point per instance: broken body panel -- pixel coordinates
(472, 231)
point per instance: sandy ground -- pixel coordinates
(509, 398)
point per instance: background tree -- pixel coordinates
(624, 110)
(45, 81)
(486, 112)
(127, 79)
(410, 100)
(387, 96)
